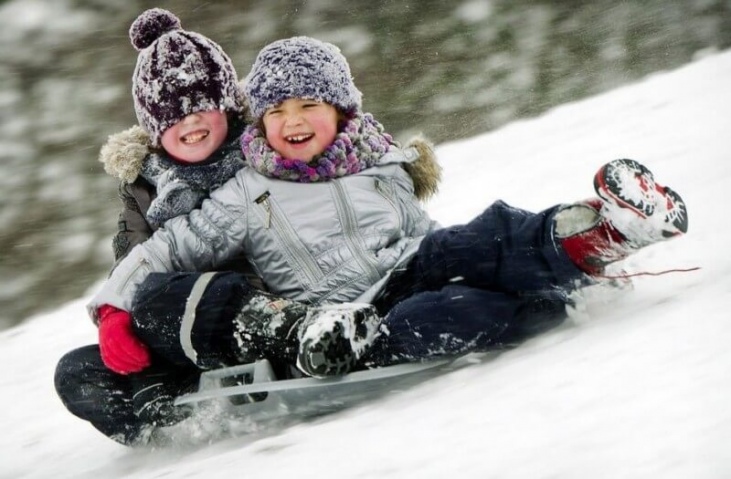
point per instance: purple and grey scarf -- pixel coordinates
(361, 142)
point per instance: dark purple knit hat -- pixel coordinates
(301, 67)
(178, 73)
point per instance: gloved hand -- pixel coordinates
(174, 198)
(121, 350)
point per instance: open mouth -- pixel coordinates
(194, 137)
(297, 139)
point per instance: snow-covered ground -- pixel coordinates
(636, 386)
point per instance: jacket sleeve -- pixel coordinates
(132, 225)
(200, 241)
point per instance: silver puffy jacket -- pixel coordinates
(328, 242)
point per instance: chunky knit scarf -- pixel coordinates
(182, 187)
(359, 145)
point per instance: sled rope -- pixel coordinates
(649, 273)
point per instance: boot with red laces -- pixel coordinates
(632, 211)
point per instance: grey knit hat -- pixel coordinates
(178, 73)
(301, 67)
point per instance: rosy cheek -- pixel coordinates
(270, 127)
(330, 131)
(330, 137)
(271, 138)
(169, 139)
(278, 144)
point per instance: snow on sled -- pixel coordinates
(253, 391)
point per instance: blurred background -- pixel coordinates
(446, 68)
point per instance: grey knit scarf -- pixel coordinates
(182, 187)
(359, 145)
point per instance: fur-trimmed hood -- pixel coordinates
(426, 172)
(124, 154)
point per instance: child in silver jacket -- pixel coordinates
(326, 212)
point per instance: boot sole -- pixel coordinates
(336, 351)
(610, 182)
(330, 355)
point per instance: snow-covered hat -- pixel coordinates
(178, 73)
(301, 67)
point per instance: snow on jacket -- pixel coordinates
(328, 242)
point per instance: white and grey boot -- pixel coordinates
(333, 338)
(643, 210)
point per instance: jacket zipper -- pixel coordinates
(264, 201)
(387, 196)
(291, 242)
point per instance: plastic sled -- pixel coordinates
(253, 391)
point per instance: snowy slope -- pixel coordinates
(637, 385)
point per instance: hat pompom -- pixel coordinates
(151, 25)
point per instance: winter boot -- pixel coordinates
(333, 338)
(267, 326)
(644, 211)
(632, 212)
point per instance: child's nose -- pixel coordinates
(192, 118)
(293, 119)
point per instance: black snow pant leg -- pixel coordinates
(457, 320)
(92, 392)
(187, 318)
(502, 249)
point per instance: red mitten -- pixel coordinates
(121, 350)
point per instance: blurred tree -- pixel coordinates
(447, 69)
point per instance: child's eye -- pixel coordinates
(273, 112)
(311, 105)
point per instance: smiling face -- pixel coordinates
(194, 138)
(300, 129)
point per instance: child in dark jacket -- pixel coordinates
(190, 112)
(191, 115)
